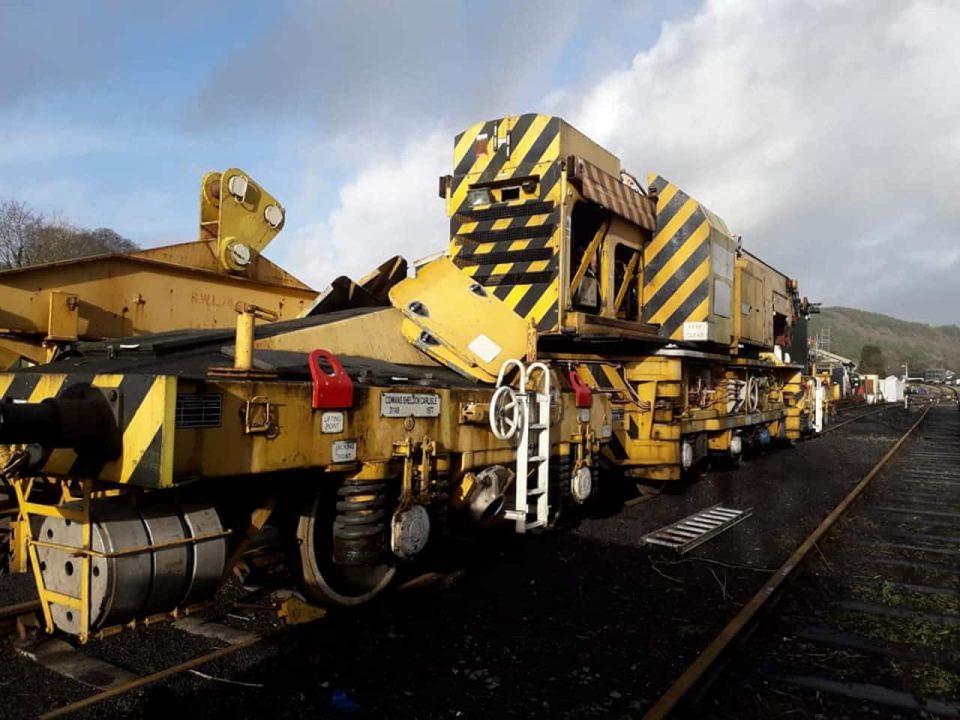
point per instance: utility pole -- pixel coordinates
(906, 378)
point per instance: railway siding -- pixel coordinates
(873, 626)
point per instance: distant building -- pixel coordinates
(935, 375)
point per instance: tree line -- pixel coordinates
(28, 237)
(872, 361)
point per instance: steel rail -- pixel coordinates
(831, 428)
(139, 682)
(10, 614)
(19, 609)
(136, 683)
(706, 660)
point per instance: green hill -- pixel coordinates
(901, 341)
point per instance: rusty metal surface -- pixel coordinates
(610, 192)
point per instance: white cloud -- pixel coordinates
(390, 208)
(824, 131)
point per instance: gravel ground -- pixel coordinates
(581, 623)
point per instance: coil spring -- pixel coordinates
(561, 474)
(359, 530)
(439, 507)
(561, 480)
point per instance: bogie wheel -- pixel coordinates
(338, 583)
(698, 470)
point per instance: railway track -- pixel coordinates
(11, 614)
(872, 627)
(135, 683)
(856, 414)
(104, 680)
(185, 646)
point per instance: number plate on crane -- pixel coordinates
(404, 405)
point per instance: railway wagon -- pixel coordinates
(47, 307)
(577, 326)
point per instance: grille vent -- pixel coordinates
(199, 411)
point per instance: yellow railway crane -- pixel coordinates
(576, 320)
(646, 295)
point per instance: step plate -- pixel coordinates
(694, 530)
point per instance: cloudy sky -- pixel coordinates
(825, 132)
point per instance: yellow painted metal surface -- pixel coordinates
(146, 421)
(225, 451)
(240, 215)
(688, 269)
(699, 285)
(519, 187)
(459, 321)
(375, 334)
(504, 200)
(126, 295)
(64, 318)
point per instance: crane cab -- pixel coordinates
(541, 218)
(551, 224)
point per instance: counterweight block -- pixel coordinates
(145, 560)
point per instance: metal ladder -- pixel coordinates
(525, 415)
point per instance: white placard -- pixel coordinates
(344, 451)
(696, 331)
(331, 422)
(404, 405)
(484, 348)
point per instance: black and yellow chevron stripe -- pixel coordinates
(603, 377)
(676, 274)
(511, 248)
(606, 378)
(147, 404)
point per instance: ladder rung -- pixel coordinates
(536, 524)
(515, 515)
(538, 426)
(537, 458)
(536, 492)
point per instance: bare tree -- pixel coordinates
(28, 238)
(59, 241)
(18, 228)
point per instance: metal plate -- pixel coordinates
(694, 530)
(455, 316)
(404, 405)
(344, 451)
(331, 422)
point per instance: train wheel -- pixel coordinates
(697, 471)
(342, 545)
